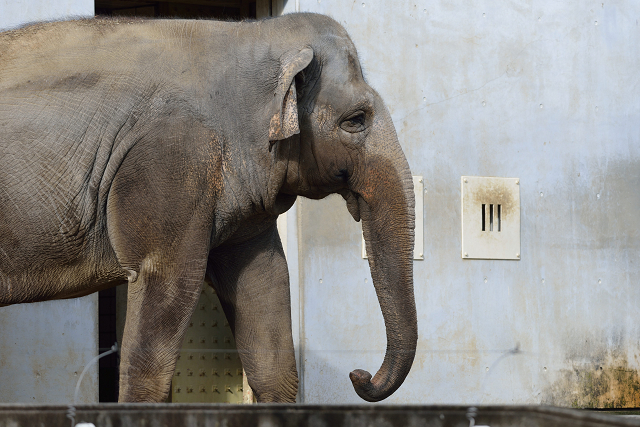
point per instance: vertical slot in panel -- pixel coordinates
(499, 219)
(491, 217)
(483, 216)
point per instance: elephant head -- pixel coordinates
(336, 136)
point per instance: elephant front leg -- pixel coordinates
(161, 299)
(252, 282)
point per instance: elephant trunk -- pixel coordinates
(384, 200)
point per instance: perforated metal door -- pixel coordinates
(209, 367)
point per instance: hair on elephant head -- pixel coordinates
(171, 148)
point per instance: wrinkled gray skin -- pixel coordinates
(156, 152)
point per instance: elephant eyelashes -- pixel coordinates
(354, 123)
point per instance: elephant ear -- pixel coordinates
(284, 107)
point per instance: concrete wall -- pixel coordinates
(45, 346)
(545, 91)
(15, 13)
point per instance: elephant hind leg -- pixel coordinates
(252, 282)
(160, 303)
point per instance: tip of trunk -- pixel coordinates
(361, 380)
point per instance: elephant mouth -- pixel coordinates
(353, 203)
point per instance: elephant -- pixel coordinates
(159, 153)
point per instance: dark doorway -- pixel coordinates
(212, 9)
(108, 365)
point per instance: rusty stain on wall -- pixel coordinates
(609, 384)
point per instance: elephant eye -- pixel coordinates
(354, 123)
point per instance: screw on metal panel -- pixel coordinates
(541, 106)
(214, 323)
(421, 255)
(203, 373)
(517, 182)
(203, 389)
(227, 389)
(227, 356)
(599, 281)
(189, 373)
(177, 373)
(465, 180)
(190, 324)
(517, 255)
(214, 372)
(203, 323)
(466, 254)
(214, 340)
(240, 388)
(203, 357)
(227, 340)
(420, 180)
(177, 390)
(239, 372)
(191, 355)
(203, 340)
(227, 372)
(214, 389)
(484, 103)
(598, 196)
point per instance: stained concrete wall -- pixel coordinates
(45, 346)
(545, 91)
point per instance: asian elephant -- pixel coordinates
(156, 152)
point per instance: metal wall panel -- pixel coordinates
(209, 367)
(45, 346)
(545, 91)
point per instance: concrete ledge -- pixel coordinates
(201, 415)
